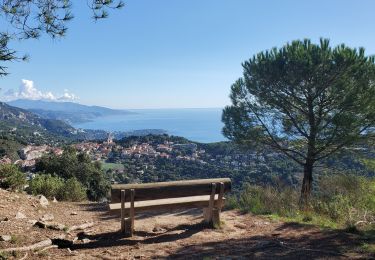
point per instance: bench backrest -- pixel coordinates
(172, 189)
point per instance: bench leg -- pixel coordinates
(207, 212)
(129, 222)
(122, 211)
(211, 214)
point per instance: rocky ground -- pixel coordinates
(86, 231)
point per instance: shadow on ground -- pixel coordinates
(286, 242)
(113, 239)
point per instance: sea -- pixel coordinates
(197, 124)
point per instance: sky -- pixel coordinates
(174, 53)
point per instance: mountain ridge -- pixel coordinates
(68, 112)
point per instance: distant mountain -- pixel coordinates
(66, 111)
(28, 127)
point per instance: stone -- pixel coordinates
(158, 229)
(4, 219)
(47, 217)
(54, 200)
(43, 201)
(32, 221)
(5, 238)
(54, 226)
(20, 215)
(40, 224)
(86, 240)
(74, 213)
(57, 226)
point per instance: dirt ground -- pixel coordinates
(168, 235)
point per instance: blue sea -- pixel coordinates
(199, 124)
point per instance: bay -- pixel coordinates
(196, 124)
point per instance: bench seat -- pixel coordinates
(170, 203)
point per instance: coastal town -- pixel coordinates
(135, 157)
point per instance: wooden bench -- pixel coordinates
(208, 194)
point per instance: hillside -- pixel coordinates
(27, 127)
(171, 235)
(66, 111)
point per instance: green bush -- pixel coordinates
(11, 177)
(72, 165)
(46, 185)
(269, 200)
(346, 200)
(72, 191)
(51, 186)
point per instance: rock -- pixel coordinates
(54, 226)
(47, 217)
(43, 201)
(32, 221)
(20, 215)
(5, 238)
(74, 213)
(4, 219)
(40, 224)
(57, 226)
(54, 200)
(158, 229)
(86, 240)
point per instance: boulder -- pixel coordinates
(43, 201)
(47, 217)
(20, 215)
(5, 238)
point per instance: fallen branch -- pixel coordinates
(48, 247)
(81, 227)
(24, 257)
(38, 245)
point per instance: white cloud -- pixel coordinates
(27, 90)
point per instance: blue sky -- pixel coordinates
(178, 53)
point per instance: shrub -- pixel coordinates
(269, 200)
(72, 165)
(46, 185)
(72, 191)
(51, 186)
(11, 177)
(346, 200)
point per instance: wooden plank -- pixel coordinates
(163, 190)
(167, 204)
(123, 211)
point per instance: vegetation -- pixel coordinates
(79, 166)
(306, 100)
(11, 177)
(344, 201)
(50, 186)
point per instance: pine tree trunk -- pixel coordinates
(306, 185)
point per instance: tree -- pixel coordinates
(11, 177)
(78, 166)
(306, 100)
(29, 19)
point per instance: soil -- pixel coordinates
(166, 235)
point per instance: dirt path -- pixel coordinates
(168, 235)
